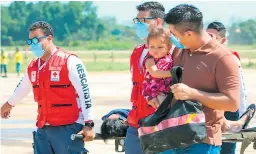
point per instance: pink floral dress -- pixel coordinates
(157, 86)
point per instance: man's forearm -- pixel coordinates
(78, 78)
(217, 101)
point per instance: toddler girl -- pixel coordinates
(158, 59)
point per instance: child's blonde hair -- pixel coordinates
(160, 32)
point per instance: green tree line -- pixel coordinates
(243, 32)
(74, 24)
(77, 24)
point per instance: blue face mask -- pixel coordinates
(176, 42)
(142, 30)
(37, 49)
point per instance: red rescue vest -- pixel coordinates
(140, 107)
(53, 91)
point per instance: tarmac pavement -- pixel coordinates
(109, 90)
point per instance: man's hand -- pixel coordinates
(154, 103)
(88, 134)
(182, 92)
(6, 110)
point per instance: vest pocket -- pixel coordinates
(60, 86)
(61, 105)
(62, 113)
(60, 109)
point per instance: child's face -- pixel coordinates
(158, 47)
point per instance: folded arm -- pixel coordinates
(154, 71)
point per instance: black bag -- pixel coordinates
(170, 127)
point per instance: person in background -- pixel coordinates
(18, 60)
(219, 30)
(114, 124)
(4, 63)
(150, 15)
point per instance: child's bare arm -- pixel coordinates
(154, 103)
(154, 72)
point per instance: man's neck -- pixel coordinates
(203, 39)
(48, 52)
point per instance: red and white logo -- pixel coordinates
(55, 76)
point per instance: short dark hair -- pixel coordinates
(113, 128)
(46, 27)
(218, 26)
(156, 9)
(185, 17)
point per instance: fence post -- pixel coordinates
(112, 56)
(94, 57)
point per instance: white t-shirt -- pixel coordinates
(243, 97)
(25, 86)
(142, 57)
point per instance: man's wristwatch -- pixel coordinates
(89, 124)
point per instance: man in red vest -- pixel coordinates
(150, 15)
(219, 30)
(59, 83)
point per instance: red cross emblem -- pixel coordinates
(54, 74)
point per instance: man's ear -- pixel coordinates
(212, 35)
(189, 33)
(159, 21)
(50, 38)
(224, 40)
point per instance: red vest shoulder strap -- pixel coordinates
(236, 54)
(33, 63)
(140, 47)
(136, 54)
(63, 55)
(138, 50)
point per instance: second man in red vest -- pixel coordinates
(150, 15)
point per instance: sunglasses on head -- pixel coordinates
(34, 40)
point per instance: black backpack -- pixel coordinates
(170, 127)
